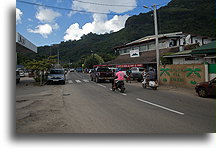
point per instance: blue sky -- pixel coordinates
(48, 25)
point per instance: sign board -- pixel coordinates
(129, 65)
(26, 43)
(134, 53)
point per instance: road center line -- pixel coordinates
(160, 106)
(101, 85)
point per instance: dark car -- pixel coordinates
(102, 74)
(136, 73)
(56, 75)
(205, 89)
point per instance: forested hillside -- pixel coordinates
(192, 16)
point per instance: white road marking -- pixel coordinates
(70, 81)
(101, 85)
(78, 81)
(86, 80)
(124, 94)
(160, 106)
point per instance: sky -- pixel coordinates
(47, 22)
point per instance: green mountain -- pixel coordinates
(191, 16)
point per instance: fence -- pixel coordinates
(212, 71)
(185, 75)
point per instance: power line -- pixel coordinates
(68, 9)
(104, 4)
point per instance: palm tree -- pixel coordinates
(193, 71)
(164, 71)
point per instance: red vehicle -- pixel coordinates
(102, 74)
(205, 89)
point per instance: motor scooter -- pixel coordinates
(150, 83)
(119, 85)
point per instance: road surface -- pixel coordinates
(83, 106)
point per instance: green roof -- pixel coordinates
(182, 52)
(208, 48)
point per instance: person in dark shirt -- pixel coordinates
(151, 75)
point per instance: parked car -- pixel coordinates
(113, 69)
(205, 89)
(17, 76)
(56, 75)
(102, 74)
(21, 73)
(72, 70)
(79, 69)
(136, 73)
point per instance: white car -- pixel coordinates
(21, 73)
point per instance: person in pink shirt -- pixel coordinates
(119, 76)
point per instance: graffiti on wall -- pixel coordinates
(177, 74)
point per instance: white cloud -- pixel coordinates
(44, 30)
(105, 9)
(100, 25)
(19, 13)
(46, 15)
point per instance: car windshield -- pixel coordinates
(141, 69)
(122, 69)
(57, 71)
(104, 70)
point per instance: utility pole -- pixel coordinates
(58, 55)
(156, 37)
(156, 40)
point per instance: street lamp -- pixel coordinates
(156, 37)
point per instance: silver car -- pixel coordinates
(56, 76)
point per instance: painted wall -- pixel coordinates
(186, 75)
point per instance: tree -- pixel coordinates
(40, 66)
(92, 60)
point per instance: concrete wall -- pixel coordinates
(185, 75)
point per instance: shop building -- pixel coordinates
(142, 52)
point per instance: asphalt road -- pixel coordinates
(83, 106)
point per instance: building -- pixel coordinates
(142, 51)
(24, 45)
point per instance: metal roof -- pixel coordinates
(205, 49)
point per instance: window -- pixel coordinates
(151, 46)
(143, 48)
(191, 58)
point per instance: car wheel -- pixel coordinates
(202, 92)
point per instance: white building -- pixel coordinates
(169, 40)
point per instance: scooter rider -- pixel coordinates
(151, 75)
(119, 76)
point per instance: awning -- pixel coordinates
(24, 45)
(205, 49)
